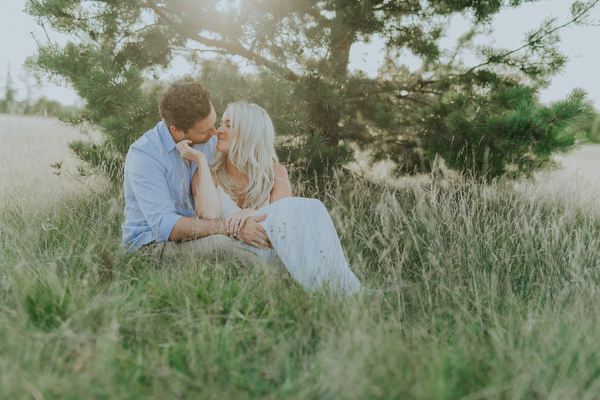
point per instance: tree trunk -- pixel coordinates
(341, 39)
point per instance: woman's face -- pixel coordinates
(224, 133)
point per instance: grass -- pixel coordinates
(484, 292)
(35, 164)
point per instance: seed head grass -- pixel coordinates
(480, 291)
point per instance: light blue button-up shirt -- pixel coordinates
(157, 187)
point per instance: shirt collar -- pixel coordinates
(165, 136)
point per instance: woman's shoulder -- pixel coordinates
(280, 170)
(281, 175)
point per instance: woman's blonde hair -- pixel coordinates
(252, 151)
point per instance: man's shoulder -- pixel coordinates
(149, 140)
(147, 149)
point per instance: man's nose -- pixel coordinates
(213, 131)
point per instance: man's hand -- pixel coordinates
(253, 233)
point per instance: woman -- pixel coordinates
(246, 180)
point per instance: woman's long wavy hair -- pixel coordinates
(252, 151)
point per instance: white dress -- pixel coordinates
(304, 240)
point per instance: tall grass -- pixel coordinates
(483, 292)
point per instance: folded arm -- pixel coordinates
(187, 228)
(206, 198)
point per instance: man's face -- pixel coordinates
(201, 132)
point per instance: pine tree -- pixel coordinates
(301, 51)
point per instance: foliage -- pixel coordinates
(504, 132)
(7, 106)
(591, 128)
(45, 107)
(41, 106)
(301, 53)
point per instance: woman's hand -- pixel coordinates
(254, 234)
(189, 153)
(236, 221)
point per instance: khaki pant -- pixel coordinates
(212, 248)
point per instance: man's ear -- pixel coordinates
(178, 134)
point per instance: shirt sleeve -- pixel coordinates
(149, 185)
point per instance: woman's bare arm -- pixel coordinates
(207, 204)
(206, 198)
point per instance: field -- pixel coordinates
(35, 163)
(482, 292)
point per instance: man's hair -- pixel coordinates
(184, 104)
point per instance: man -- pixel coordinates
(159, 207)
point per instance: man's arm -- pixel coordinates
(252, 232)
(149, 186)
(193, 228)
(207, 204)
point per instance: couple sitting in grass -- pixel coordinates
(193, 190)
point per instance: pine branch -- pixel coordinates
(188, 50)
(562, 146)
(411, 8)
(413, 99)
(533, 43)
(110, 78)
(567, 108)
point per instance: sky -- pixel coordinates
(19, 32)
